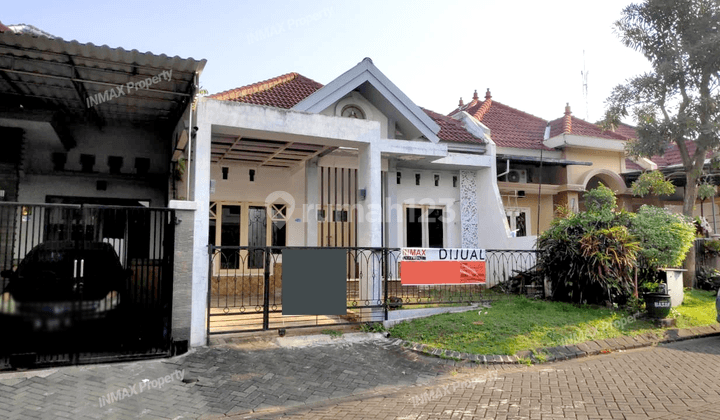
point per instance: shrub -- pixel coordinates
(665, 237)
(600, 199)
(591, 256)
(708, 278)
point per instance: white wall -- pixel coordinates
(273, 184)
(424, 194)
(371, 113)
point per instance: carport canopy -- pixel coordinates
(48, 79)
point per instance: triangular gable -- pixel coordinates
(366, 72)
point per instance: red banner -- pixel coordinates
(442, 272)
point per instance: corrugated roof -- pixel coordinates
(40, 72)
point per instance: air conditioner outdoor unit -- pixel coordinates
(517, 175)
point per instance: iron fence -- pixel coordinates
(82, 284)
(245, 290)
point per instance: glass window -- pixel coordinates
(230, 236)
(279, 226)
(413, 227)
(435, 228)
(424, 227)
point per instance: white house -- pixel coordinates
(290, 162)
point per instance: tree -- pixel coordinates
(677, 101)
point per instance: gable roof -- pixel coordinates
(509, 127)
(289, 89)
(572, 125)
(375, 86)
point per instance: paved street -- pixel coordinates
(372, 379)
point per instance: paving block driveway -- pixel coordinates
(376, 380)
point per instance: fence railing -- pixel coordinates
(245, 290)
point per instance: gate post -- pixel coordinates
(386, 274)
(266, 291)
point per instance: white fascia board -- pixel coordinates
(365, 71)
(417, 148)
(597, 143)
(315, 127)
(515, 151)
(465, 160)
(467, 148)
(645, 163)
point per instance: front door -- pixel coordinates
(257, 235)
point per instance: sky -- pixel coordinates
(530, 54)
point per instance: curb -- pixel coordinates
(553, 354)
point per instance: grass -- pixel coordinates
(332, 333)
(698, 309)
(516, 323)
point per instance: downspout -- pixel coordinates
(507, 169)
(190, 139)
(537, 229)
(545, 137)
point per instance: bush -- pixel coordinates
(589, 257)
(665, 237)
(708, 278)
(592, 256)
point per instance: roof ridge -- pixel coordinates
(484, 108)
(255, 87)
(567, 120)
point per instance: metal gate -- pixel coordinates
(245, 290)
(244, 296)
(84, 284)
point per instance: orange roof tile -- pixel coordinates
(451, 129)
(572, 125)
(509, 127)
(281, 92)
(289, 89)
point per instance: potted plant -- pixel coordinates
(657, 300)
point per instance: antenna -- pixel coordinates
(584, 73)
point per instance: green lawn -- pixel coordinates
(698, 309)
(515, 323)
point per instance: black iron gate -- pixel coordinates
(84, 284)
(246, 284)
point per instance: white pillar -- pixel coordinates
(312, 202)
(201, 196)
(370, 229)
(469, 210)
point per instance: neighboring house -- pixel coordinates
(542, 164)
(88, 158)
(575, 156)
(671, 165)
